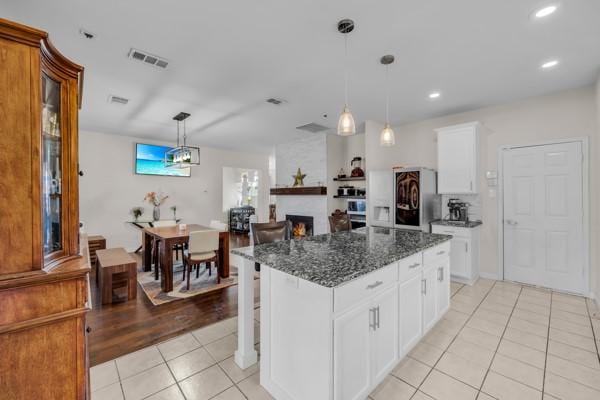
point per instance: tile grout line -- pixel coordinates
(547, 345)
(489, 368)
(455, 336)
(407, 355)
(587, 307)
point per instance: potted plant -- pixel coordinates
(137, 212)
(156, 199)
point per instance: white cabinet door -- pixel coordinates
(385, 336)
(460, 257)
(443, 286)
(429, 283)
(411, 313)
(352, 353)
(457, 169)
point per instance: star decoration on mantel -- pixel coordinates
(299, 178)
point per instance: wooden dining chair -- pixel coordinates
(203, 247)
(339, 222)
(155, 244)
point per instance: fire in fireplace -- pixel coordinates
(302, 226)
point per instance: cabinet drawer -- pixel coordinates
(364, 287)
(441, 250)
(410, 266)
(451, 230)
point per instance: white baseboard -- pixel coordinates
(488, 275)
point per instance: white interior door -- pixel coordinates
(543, 216)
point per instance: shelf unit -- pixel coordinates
(350, 179)
(335, 196)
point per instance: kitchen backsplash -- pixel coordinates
(474, 208)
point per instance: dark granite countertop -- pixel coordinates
(470, 224)
(332, 259)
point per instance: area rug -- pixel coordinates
(203, 284)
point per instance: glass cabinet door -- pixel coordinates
(51, 165)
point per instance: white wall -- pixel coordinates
(595, 176)
(110, 187)
(310, 155)
(567, 114)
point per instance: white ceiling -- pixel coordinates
(226, 57)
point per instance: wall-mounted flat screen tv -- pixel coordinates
(150, 160)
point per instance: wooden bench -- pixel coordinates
(117, 270)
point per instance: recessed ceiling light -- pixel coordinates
(545, 11)
(434, 95)
(549, 64)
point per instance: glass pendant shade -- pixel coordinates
(346, 125)
(387, 137)
(182, 157)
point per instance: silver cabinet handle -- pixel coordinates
(377, 317)
(372, 317)
(439, 253)
(471, 185)
(415, 265)
(374, 285)
(424, 286)
(511, 222)
(441, 274)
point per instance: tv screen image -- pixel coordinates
(150, 160)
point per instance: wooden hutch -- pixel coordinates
(44, 269)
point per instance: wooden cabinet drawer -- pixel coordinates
(410, 266)
(364, 287)
(441, 250)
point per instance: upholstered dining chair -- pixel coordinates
(218, 225)
(339, 222)
(178, 247)
(203, 247)
(269, 232)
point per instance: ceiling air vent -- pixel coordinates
(148, 58)
(117, 100)
(313, 127)
(274, 101)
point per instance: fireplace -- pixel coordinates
(302, 226)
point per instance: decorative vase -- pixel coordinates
(156, 213)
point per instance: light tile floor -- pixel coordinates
(499, 340)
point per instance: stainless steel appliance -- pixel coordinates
(414, 198)
(458, 210)
(357, 207)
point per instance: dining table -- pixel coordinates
(167, 237)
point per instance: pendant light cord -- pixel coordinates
(387, 94)
(346, 70)
(177, 133)
(184, 134)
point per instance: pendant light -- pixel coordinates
(346, 126)
(182, 156)
(387, 137)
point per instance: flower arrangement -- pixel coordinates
(137, 212)
(156, 199)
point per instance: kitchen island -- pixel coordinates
(339, 311)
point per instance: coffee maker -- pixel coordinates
(458, 210)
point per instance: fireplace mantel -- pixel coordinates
(300, 191)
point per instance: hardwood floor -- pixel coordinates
(118, 329)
